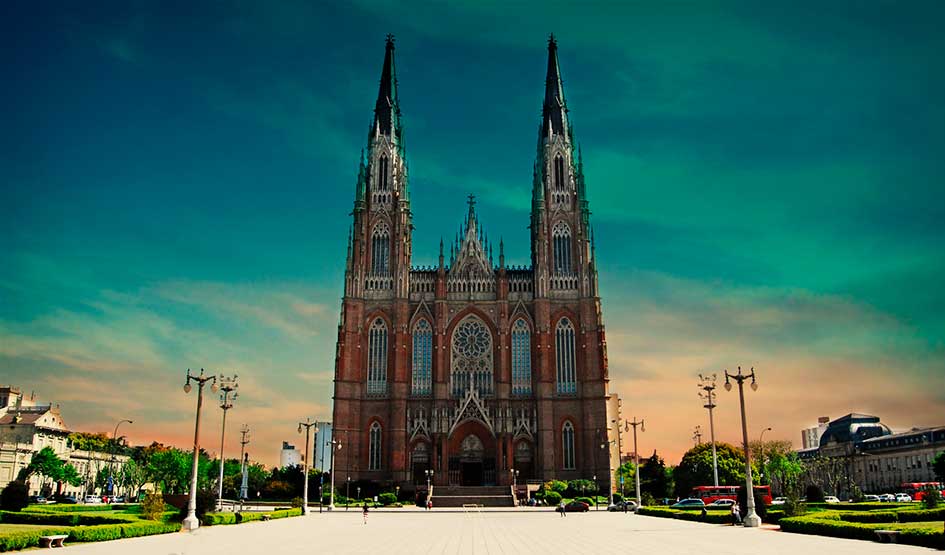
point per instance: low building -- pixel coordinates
(289, 456)
(859, 449)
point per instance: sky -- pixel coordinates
(766, 181)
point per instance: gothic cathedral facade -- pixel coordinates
(470, 368)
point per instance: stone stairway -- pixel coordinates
(487, 496)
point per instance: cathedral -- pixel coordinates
(477, 371)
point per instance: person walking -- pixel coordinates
(561, 508)
(364, 511)
(736, 515)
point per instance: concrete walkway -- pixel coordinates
(503, 532)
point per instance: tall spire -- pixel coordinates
(387, 110)
(554, 113)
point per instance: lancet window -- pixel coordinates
(380, 250)
(377, 358)
(561, 237)
(521, 358)
(565, 358)
(422, 381)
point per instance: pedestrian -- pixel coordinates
(736, 515)
(705, 513)
(561, 508)
(364, 511)
(430, 504)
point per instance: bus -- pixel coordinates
(708, 494)
(917, 489)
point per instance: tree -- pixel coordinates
(15, 496)
(627, 471)
(938, 465)
(785, 471)
(653, 479)
(132, 477)
(169, 467)
(695, 468)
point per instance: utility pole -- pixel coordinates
(707, 385)
(227, 386)
(636, 456)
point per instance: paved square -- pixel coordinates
(534, 531)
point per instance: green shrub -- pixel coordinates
(214, 519)
(298, 502)
(11, 541)
(618, 498)
(920, 515)
(873, 516)
(931, 497)
(552, 497)
(153, 506)
(774, 516)
(870, 506)
(922, 536)
(115, 531)
(794, 507)
(387, 498)
(75, 508)
(61, 519)
(827, 527)
(714, 517)
(15, 496)
(814, 494)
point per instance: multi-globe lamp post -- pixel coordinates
(707, 385)
(636, 456)
(751, 520)
(333, 445)
(308, 425)
(191, 522)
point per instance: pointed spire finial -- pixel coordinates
(387, 109)
(554, 111)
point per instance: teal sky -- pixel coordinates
(767, 182)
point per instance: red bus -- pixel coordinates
(708, 494)
(916, 489)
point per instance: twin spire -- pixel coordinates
(387, 109)
(554, 111)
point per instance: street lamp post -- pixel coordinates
(244, 440)
(191, 522)
(707, 385)
(429, 474)
(751, 520)
(514, 486)
(308, 425)
(348, 492)
(111, 469)
(761, 457)
(227, 386)
(333, 445)
(636, 456)
(610, 471)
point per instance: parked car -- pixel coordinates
(621, 506)
(779, 501)
(871, 499)
(721, 503)
(575, 507)
(887, 497)
(532, 502)
(67, 499)
(92, 499)
(37, 499)
(689, 504)
(831, 499)
(119, 499)
(903, 498)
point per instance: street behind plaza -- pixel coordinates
(506, 532)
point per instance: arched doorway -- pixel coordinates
(472, 455)
(524, 457)
(420, 462)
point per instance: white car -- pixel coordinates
(831, 499)
(779, 501)
(871, 498)
(903, 498)
(92, 499)
(887, 497)
(721, 503)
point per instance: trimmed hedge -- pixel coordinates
(215, 519)
(63, 519)
(869, 517)
(116, 531)
(54, 508)
(774, 516)
(871, 506)
(927, 537)
(922, 515)
(11, 541)
(251, 516)
(712, 517)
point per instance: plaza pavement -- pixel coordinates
(537, 531)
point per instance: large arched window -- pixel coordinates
(383, 183)
(377, 358)
(471, 357)
(374, 450)
(559, 173)
(521, 358)
(561, 236)
(567, 445)
(380, 250)
(564, 357)
(422, 382)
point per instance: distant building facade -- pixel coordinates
(322, 449)
(810, 437)
(289, 456)
(26, 427)
(875, 458)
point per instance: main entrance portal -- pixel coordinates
(472, 466)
